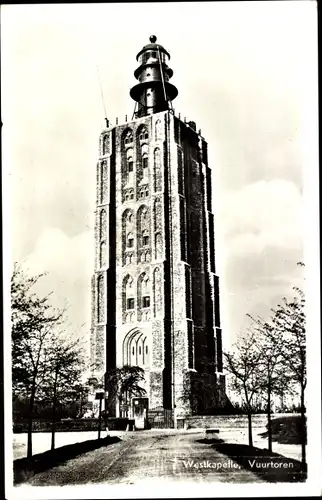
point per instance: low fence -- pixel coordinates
(158, 419)
(229, 421)
(73, 425)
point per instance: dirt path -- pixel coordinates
(142, 456)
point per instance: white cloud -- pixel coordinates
(69, 264)
(259, 242)
(261, 215)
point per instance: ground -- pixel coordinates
(142, 456)
(230, 434)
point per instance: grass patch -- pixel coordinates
(24, 468)
(269, 466)
(287, 430)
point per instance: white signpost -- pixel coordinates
(100, 395)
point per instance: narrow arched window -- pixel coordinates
(102, 257)
(100, 299)
(158, 130)
(129, 165)
(145, 166)
(102, 224)
(157, 292)
(106, 144)
(158, 246)
(157, 170)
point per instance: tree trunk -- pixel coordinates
(81, 406)
(250, 430)
(53, 425)
(303, 427)
(30, 420)
(269, 419)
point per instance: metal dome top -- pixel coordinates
(153, 46)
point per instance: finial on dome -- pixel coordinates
(153, 39)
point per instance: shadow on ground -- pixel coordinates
(269, 466)
(24, 468)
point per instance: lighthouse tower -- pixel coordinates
(154, 92)
(155, 291)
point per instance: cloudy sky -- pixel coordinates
(246, 73)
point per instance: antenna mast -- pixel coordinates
(165, 94)
(102, 95)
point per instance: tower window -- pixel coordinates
(146, 349)
(131, 195)
(145, 238)
(140, 350)
(145, 163)
(143, 135)
(146, 301)
(130, 166)
(106, 144)
(133, 350)
(130, 304)
(130, 240)
(129, 138)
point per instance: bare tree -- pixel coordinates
(283, 341)
(64, 369)
(289, 323)
(33, 322)
(243, 363)
(273, 378)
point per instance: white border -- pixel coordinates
(166, 489)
